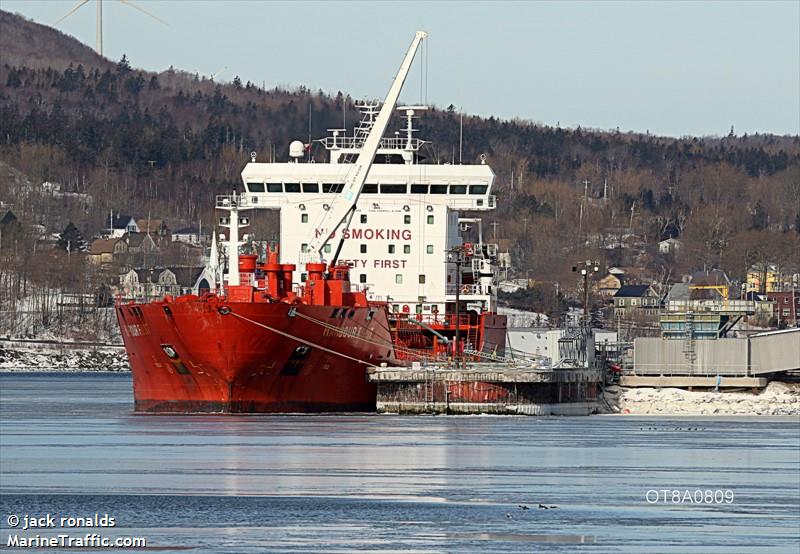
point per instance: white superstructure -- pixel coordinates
(406, 218)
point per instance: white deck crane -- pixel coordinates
(344, 204)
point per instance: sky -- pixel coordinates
(670, 68)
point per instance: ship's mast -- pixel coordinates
(344, 205)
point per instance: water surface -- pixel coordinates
(70, 445)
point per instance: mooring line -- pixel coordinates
(298, 339)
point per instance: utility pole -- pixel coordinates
(494, 225)
(586, 269)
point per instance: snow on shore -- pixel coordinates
(26, 360)
(776, 399)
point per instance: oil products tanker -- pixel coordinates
(288, 331)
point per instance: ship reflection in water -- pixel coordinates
(71, 445)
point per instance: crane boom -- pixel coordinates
(344, 204)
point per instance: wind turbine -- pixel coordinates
(99, 3)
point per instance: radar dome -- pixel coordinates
(297, 149)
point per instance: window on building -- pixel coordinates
(363, 248)
(303, 218)
(422, 279)
(407, 219)
(391, 249)
(430, 220)
(406, 249)
(429, 249)
(398, 278)
(304, 247)
(362, 278)
(786, 312)
(363, 218)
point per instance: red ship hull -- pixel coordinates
(190, 356)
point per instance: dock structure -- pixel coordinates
(485, 388)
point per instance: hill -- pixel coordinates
(165, 143)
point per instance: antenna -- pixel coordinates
(461, 136)
(99, 30)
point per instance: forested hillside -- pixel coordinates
(163, 144)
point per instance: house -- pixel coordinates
(785, 307)
(154, 227)
(610, 284)
(775, 278)
(139, 242)
(103, 251)
(121, 224)
(670, 246)
(144, 284)
(188, 235)
(636, 300)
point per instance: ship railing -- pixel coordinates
(436, 320)
(467, 290)
(742, 306)
(227, 200)
(356, 143)
(480, 202)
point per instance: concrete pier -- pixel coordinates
(486, 388)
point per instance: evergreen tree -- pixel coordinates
(759, 217)
(71, 239)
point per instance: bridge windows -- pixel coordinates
(291, 187)
(255, 187)
(438, 189)
(419, 189)
(458, 189)
(274, 187)
(310, 187)
(478, 189)
(394, 189)
(370, 189)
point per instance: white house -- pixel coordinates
(669, 246)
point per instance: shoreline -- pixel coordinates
(777, 399)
